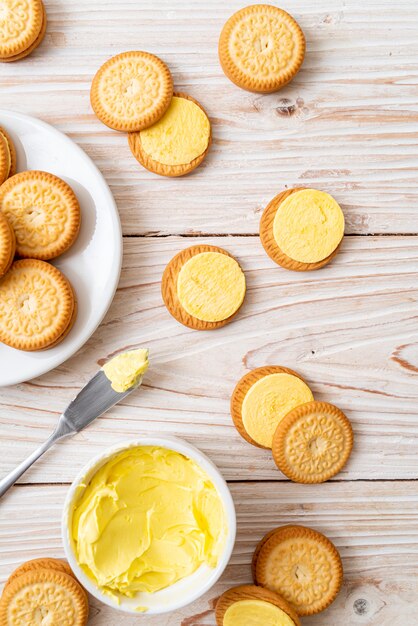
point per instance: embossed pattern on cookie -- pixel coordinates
(20, 25)
(32, 47)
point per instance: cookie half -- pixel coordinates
(37, 305)
(44, 213)
(302, 229)
(313, 442)
(246, 604)
(42, 592)
(131, 91)
(20, 25)
(203, 287)
(262, 398)
(261, 48)
(7, 245)
(12, 152)
(301, 565)
(33, 46)
(178, 142)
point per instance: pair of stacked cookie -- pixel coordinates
(297, 571)
(44, 589)
(22, 28)
(39, 220)
(169, 132)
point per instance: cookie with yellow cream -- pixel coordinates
(300, 564)
(20, 25)
(5, 159)
(313, 442)
(7, 245)
(261, 48)
(249, 604)
(33, 46)
(203, 287)
(302, 229)
(11, 150)
(262, 398)
(178, 142)
(131, 91)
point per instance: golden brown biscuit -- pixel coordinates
(44, 213)
(261, 48)
(131, 91)
(7, 245)
(12, 151)
(242, 388)
(313, 443)
(42, 592)
(169, 289)
(20, 25)
(37, 305)
(301, 565)
(166, 169)
(32, 47)
(251, 592)
(270, 244)
(5, 159)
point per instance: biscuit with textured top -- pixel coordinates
(12, 151)
(37, 305)
(32, 47)
(172, 140)
(7, 245)
(243, 387)
(20, 25)
(207, 292)
(301, 565)
(44, 592)
(59, 565)
(131, 91)
(44, 213)
(251, 593)
(313, 442)
(261, 48)
(271, 245)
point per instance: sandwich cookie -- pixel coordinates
(301, 565)
(44, 213)
(11, 154)
(250, 605)
(7, 245)
(33, 46)
(302, 229)
(20, 25)
(131, 91)
(5, 159)
(178, 142)
(58, 565)
(261, 400)
(313, 442)
(261, 48)
(203, 287)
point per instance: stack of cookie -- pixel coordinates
(44, 588)
(22, 28)
(169, 133)
(39, 220)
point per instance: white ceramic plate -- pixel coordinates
(92, 264)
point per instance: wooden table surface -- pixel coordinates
(347, 124)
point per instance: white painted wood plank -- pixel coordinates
(376, 534)
(350, 329)
(347, 123)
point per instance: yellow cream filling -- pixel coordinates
(256, 613)
(125, 369)
(308, 225)
(211, 286)
(148, 518)
(180, 136)
(268, 401)
(9, 156)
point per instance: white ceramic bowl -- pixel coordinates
(184, 591)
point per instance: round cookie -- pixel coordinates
(278, 390)
(5, 159)
(261, 48)
(44, 213)
(313, 443)
(57, 565)
(20, 25)
(301, 565)
(172, 146)
(193, 291)
(37, 305)
(32, 47)
(7, 245)
(12, 152)
(44, 592)
(303, 229)
(131, 91)
(236, 605)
